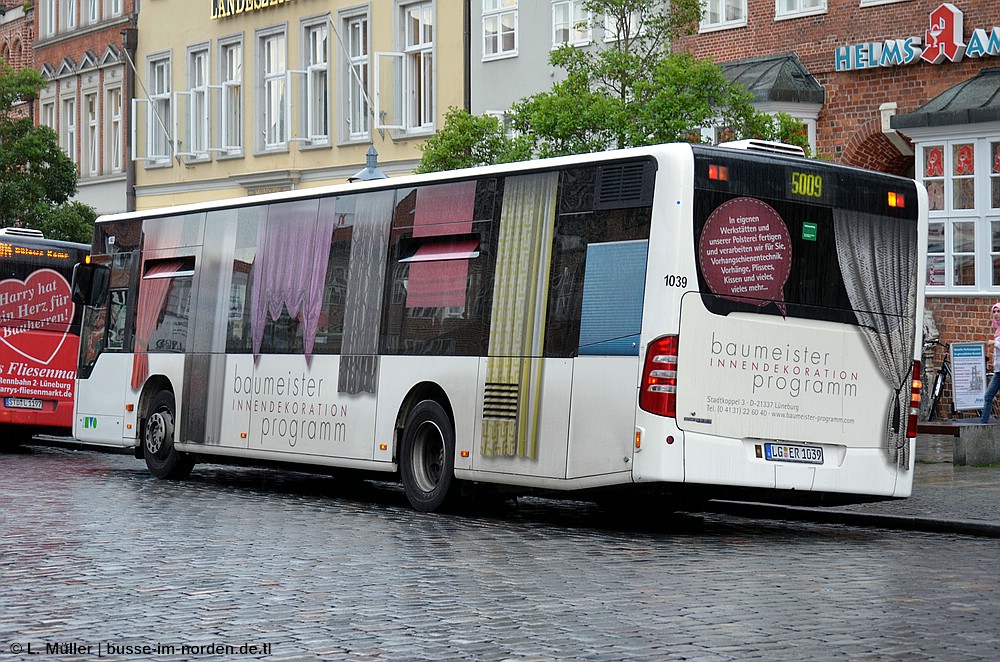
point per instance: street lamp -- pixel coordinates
(371, 169)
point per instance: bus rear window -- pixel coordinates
(778, 242)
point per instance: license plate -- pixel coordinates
(23, 403)
(791, 453)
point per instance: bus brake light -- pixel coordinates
(718, 172)
(658, 394)
(916, 384)
(896, 200)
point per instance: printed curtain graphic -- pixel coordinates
(438, 274)
(878, 258)
(365, 280)
(613, 285)
(152, 295)
(294, 249)
(520, 300)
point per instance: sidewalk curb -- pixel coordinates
(823, 516)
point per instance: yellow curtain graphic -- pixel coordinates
(514, 366)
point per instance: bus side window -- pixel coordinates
(618, 238)
(165, 306)
(117, 311)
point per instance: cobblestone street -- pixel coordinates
(101, 559)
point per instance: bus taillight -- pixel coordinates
(916, 384)
(658, 394)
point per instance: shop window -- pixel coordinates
(995, 175)
(962, 178)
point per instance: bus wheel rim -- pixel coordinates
(428, 456)
(156, 432)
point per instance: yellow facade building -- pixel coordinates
(238, 97)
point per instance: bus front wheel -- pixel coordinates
(427, 457)
(162, 460)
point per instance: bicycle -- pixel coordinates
(930, 396)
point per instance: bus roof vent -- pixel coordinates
(765, 146)
(621, 185)
(21, 232)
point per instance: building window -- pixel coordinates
(404, 81)
(198, 104)
(499, 28)
(317, 90)
(160, 118)
(68, 13)
(615, 30)
(93, 14)
(69, 128)
(962, 225)
(570, 23)
(113, 130)
(49, 16)
(92, 146)
(720, 14)
(48, 117)
(796, 8)
(419, 63)
(273, 80)
(115, 8)
(232, 98)
(356, 29)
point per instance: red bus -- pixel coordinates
(39, 334)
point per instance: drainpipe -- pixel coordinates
(130, 39)
(467, 45)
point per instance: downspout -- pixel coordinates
(130, 38)
(467, 45)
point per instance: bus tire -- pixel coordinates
(427, 457)
(162, 460)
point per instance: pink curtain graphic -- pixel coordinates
(293, 249)
(439, 277)
(152, 295)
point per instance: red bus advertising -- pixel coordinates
(39, 334)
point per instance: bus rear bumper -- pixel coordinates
(865, 472)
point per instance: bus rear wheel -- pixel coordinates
(427, 457)
(162, 460)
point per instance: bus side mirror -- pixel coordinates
(90, 284)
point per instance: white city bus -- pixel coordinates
(688, 318)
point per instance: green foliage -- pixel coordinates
(17, 86)
(71, 221)
(468, 140)
(627, 91)
(36, 177)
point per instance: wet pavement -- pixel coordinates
(946, 498)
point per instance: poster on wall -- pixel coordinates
(968, 372)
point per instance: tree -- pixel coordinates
(629, 90)
(468, 140)
(36, 177)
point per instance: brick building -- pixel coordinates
(16, 34)
(910, 87)
(79, 49)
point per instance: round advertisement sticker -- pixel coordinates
(745, 252)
